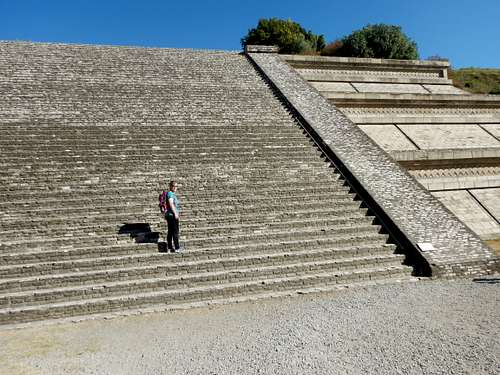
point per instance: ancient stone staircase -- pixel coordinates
(91, 135)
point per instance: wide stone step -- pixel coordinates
(127, 212)
(102, 108)
(221, 176)
(153, 169)
(146, 183)
(278, 234)
(270, 187)
(282, 126)
(204, 273)
(180, 148)
(191, 294)
(152, 217)
(191, 174)
(146, 231)
(252, 228)
(60, 180)
(155, 251)
(190, 180)
(15, 252)
(115, 203)
(66, 130)
(103, 114)
(155, 267)
(153, 149)
(129, 155)
(24, 243)
(119, 157)
(37, 145)
(123, 170)
(81, 234)
(13, 165)
(210, 190)
(339, 237)
(200, 155)
(129, 195)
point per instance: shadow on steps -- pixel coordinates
(142, 233)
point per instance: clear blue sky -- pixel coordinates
(465, 31)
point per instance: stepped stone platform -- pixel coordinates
(92, 134)
(405, 208)
(447, 138)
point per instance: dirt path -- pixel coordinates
(418, 328)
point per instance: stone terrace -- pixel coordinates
(447, 138)
(90, 135)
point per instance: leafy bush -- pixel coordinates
(289, 36)
(332, 48)
(377, 41)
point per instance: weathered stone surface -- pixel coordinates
(490, 199)
(444, 89)
(448, 136)
(493, 129)
(389, 137)
(465, 207)
(334, 86)
(402, 114)
(390, 88)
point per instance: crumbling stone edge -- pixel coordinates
(410, 214)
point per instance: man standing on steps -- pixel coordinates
(172, 211)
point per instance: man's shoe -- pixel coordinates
(180, 249)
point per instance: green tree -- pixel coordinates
(377, 41)
(289, 36)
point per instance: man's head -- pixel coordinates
(172, 185)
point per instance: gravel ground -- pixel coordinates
(431, 327)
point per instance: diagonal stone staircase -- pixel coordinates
(91, 135)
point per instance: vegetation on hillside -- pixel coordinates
(477, 80)
(289, 36)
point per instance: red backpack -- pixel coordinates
(163, 202)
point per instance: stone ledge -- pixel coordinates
(261, 49)
(356, 61)
(336, 76)
(432, 100)
(415, 215)
(448, 154)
